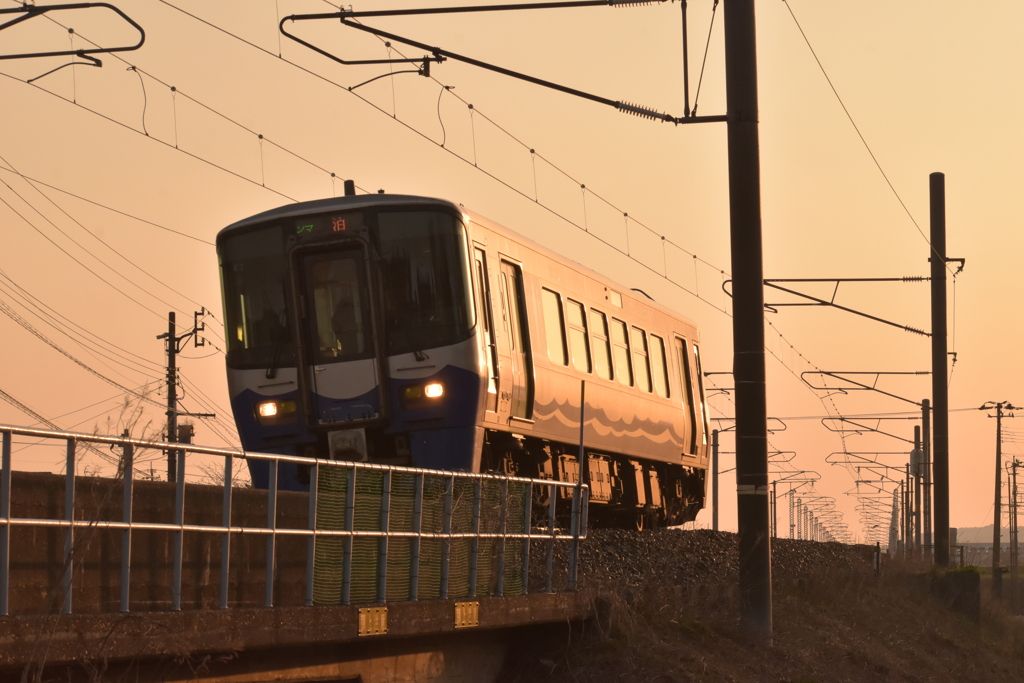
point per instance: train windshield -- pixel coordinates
(254, 274)
(424, 266)
(423, 263)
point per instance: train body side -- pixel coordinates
(619, 419)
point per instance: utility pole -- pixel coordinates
(755, 550)
(908, 540)
(940, 359)
(173, 349)
(792, 525)
(714, 473)
(1014, 550)
(918, 466)
(924, 507)
(997, 527)
(172, 396)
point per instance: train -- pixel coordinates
(412, 331)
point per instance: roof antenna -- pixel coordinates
(350, 188)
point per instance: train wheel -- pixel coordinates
(640, 519)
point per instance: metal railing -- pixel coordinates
(501, 519)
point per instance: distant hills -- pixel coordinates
(979, 534)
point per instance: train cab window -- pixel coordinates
(339, 320)
(658, 366)
(686, 398)
(554, 327)
(578, 342)
(640, 360)
(620, 353)
(602, 345)
(701, 404)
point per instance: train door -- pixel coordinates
(488, 348)
(337, 335)
(513, 313)
(687, 396)
(702, 404)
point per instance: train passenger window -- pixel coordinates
(640, 361)
(686, 398)
(658, 366)
(554, 327)
(620, 352)
(602, 345)
(578, 342)
(700, 386)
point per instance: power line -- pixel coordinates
(66, 252)
(863, 140)
(101, 241)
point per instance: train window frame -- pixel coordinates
(579, 339)
(687, 397)
(554, 330)
(601, 344)
(641, 357)
(623, 348)
(702, 403)
(659, 366)
(482, 301)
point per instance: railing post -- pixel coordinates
(382, 543)
(417, 528)
(225, 539)
(5, 514)
(350, 515)
(446, 544)
(528, 528)
(574, 524)
(553, 501)
(503, 526)
(268, 594)
(314, 478)
(128, 475)
(474, 558)
(179, 535)
(69, 532)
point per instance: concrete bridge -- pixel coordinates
(377, 574)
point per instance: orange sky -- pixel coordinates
(931, 86)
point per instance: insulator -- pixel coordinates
(916, 331)
(643, 112)
(633, 3)
(916, 278)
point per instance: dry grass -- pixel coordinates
(831, 624)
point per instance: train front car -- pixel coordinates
(350, 328)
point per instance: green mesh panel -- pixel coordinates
(329, 557)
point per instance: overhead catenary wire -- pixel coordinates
(655, 271)
(863, 140)
(426, 137)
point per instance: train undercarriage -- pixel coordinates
(624, 492)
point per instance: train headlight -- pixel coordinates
(275, 412)
(422, 395)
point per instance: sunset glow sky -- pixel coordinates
(87, 152)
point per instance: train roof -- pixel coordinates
(375, 200)
(336, 203)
